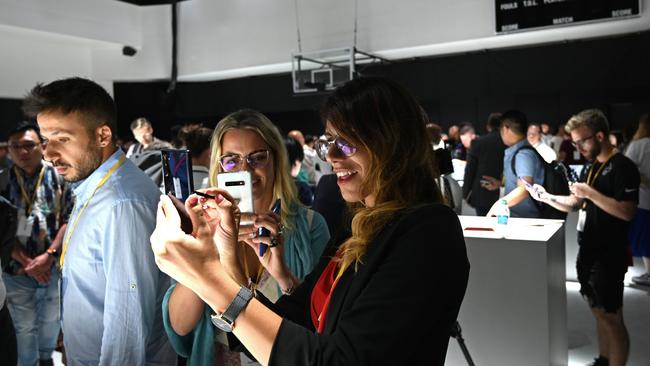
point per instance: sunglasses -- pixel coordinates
(323, 146)
(233, 162)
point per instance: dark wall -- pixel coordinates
(10, 115)
(549, 83)
(208, 102)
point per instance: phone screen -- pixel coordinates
(177, 173)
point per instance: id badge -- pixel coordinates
(576, 155)
(582, 217)
(25, 224)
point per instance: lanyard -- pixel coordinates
(252, 285)
(590, 181)
(29, 202)
(81, 211)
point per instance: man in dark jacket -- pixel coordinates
(8, 224)
(485, 157)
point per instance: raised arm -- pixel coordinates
(563, 203)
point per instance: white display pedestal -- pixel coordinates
(514, 311)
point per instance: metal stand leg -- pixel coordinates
(456, 332)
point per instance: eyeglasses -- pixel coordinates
(323, 146)
(28, 146)
(256, 159)
(581, 142)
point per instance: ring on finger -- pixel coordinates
(274, 242)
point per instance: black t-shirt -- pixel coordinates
(619, 179)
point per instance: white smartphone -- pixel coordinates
(238, 184)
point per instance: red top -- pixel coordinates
(321, 294)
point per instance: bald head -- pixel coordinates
(298, 136)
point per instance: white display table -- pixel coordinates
(514, 311)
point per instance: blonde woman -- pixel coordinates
(248, 140)
(389, 292)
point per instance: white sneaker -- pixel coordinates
(643, 279)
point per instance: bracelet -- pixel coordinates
(289, 290)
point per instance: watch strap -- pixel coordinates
(237, 305)
(52, 252)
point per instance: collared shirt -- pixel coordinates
(51, 208)
(111, 288)
(527, 164)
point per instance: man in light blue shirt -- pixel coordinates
(528, 168)
(111, 288)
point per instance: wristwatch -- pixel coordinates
(52, 252)
(226, 320)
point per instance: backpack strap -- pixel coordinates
(514, 157)
(540, 205)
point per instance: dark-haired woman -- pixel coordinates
(387, 294)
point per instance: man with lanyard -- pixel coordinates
(31, 277)
(607, 201)
(111, 288)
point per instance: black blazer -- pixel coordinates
(397, 309)
(485, 157)
(8, 226)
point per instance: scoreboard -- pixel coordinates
(514, 15)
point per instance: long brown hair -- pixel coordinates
(386, 120)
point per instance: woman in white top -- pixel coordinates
(639, 151)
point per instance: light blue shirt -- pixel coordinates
(527, 164)
(111, 288)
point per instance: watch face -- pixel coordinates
(221, 323)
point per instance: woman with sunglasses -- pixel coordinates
(248, 140)
(388, 293)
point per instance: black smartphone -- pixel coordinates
(177, 173)
(277, 206)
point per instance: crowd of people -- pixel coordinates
(93, 250)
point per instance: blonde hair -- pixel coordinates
(644, 128)
(283, 185)
(384, 119)
(593, 119)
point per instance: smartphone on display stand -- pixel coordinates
(238, 184)
(277, 206)
(177, 173)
